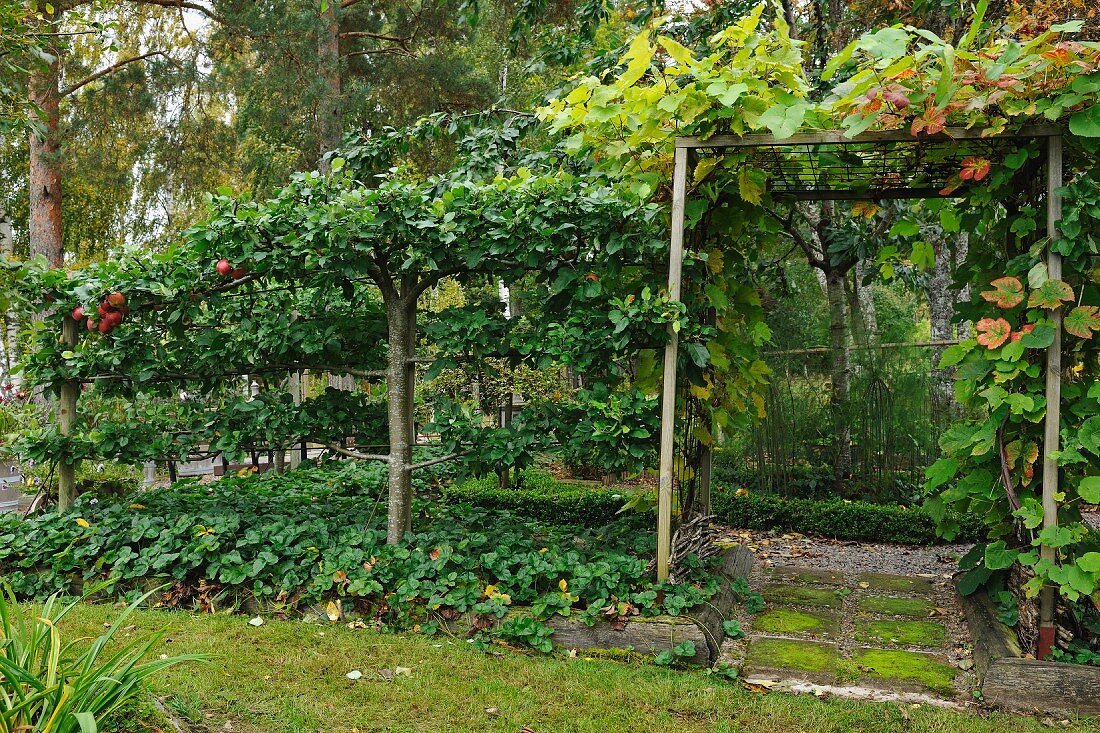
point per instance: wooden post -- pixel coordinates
(66, 417)
(706, 461)
(1052, 424)
(668, 377)
(295, 385)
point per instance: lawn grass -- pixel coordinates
(290, 677)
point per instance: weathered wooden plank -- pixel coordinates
(1052, 687)
(648, 636)
(1013, 682)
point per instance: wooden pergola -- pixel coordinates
(872, 166)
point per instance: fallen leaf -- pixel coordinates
(333, 610)
(354, 675)
(257, 621)
(403, 671)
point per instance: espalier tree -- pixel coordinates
(327, 274)
(749, 78)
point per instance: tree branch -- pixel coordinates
(184, 5)
(354, 453)
(109, 70)
(443, 459)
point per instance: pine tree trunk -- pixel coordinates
(331, 105)
(841, 367)
(44, 179)
(402, 336)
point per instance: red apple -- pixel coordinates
(104, 326)
(112, 319)
(224, 267)
(239, 272)
(102, 309)
(78, 313)
(91, 324)
(116, 299)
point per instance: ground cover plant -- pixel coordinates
(316, 535)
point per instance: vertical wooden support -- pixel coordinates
(410, 408)
(66, 418)
(668, 378)
(706, 461)
(295, 386)
(1052, 424)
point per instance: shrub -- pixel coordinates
(104, 481)
(48, 687)
(565, 503)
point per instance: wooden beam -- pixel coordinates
(837, 137)
(668, 377)
(66, 418)
(1052, 424)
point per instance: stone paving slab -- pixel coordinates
(863, 630)
(897, 606)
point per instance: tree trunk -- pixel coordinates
(44, 180)
(399, 378)
(865, 299)
(331, 105)
(841, 367)
(9, 337)
(941, 308)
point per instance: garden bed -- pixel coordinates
(1012, 681)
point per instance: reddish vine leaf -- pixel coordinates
(1050, 295)
(992, 333)
(933, 121)
(1008, 292)
(974, 168)
(1083, 320)
(1016, 336)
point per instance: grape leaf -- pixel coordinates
(1089, 489)
(1008, 292)
(1083, 320)
(1050, 295)
(993, 333)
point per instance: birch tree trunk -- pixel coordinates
(941, 308)
(9, 324)
(44, 179)
(841, 369)
(865, 299)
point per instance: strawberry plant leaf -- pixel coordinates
(1050, 295)
(1008, 292)
(992, 333)
(1083, 320)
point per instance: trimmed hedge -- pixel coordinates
(847, 520)
(556, 503)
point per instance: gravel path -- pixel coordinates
(788, 548)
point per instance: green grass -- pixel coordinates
(903, 633)
(887, 606)
(289, 677)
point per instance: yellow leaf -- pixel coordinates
(137, 506)
(563, 585)
(490, 590)
(82, 522)
(333, 610)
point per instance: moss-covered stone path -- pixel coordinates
(872, 634)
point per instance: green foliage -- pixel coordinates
(52, 686)
(564, 503)
(102, 481)
(315, 534)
